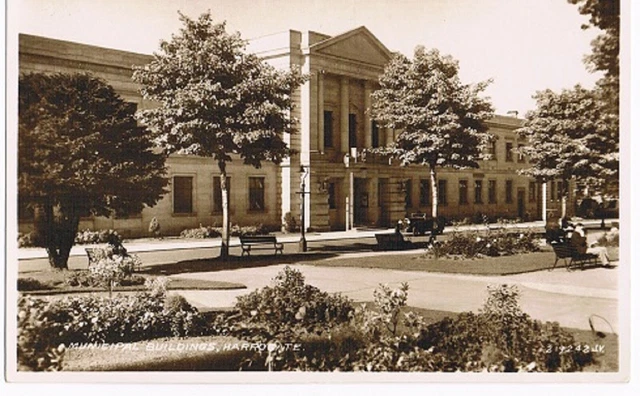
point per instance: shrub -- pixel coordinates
(154, 227)
(30, 284)
(101, 236)
(290, 306)
(45, 325)
(201, 232)
(27, 240)
(490, 243)
(501, 338)
(291, 223)
(235, 230)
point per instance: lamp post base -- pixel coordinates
(302, 245)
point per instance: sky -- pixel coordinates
(522, 45)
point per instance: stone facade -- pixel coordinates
(344, 187)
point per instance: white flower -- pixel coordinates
(478, 239)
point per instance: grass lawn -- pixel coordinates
(217, 353)
(504, 265)
(54, 282)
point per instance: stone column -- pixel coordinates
(544, 202)
(321, 111)
(367, 117)
(344, 115)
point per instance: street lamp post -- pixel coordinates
(302, 245)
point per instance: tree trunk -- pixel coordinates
(224, 246)
(434, 192)
(57, 233)
(565, 190)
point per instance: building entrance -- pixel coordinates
(360, 202)
(384, 219)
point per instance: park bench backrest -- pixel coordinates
(258, 239)
(563, 249)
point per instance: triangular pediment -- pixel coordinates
(358, 45)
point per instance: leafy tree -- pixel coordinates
(605, 57)
(569, 135)
(217, 101)
(81, 152)
(442, 119)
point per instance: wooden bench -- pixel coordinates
(394, 241)
(564, 250)
(260, 242)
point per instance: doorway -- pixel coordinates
(360, 201)
(521, 207)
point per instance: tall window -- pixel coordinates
(353, 139)
(442, 192)
(331, 190)
(560, 190)
(375, 134)
(425, 196)
(256, 194)
(328, 129)
(520, 155)
(493, 147)
(463, 192)
(477, 192)
(492, 192)
(532, 191)
(182, 194)
(509, 152)
(553, 191)
(217, 193)
(508, 186)
(408, 192)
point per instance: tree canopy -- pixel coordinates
(216, 100)
(569, 134)
(81, 153)
(440, 118)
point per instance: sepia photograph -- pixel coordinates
(338, 191)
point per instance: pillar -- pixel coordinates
(344, 115)
(367, 116)
(321, 111)
(388, 133)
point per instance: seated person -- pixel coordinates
(579, 241)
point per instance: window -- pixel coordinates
(553, 191)
(425, 192)
(442, 192)
(217, 194)
(560, 190)
(477, 192)
(463, 190)
(331, 190)
(508, 191)
(375, 134)
(509, 152)
(353, 138)
(532, 191)
(256, 194)
(492, 192)
(492, 147)
(408, 193)
(183, 194)
(328, 129)
(520, 155)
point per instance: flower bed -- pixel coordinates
(492, 243)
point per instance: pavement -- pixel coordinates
(174, 243)
(569, 298)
